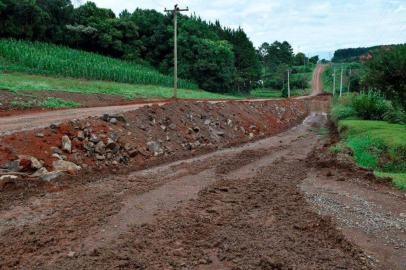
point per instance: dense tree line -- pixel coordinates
(357, 54)
(218, 58)
(386, 72)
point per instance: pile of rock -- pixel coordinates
(31, 166)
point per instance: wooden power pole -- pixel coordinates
(341, 84)
(334, 82)
(288, 83)
(175, 12)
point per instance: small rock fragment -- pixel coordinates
(51, 176)
(65, 166)
(66, 144)
(155, 148)
(100, 148)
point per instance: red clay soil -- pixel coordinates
(171, 123)
(238, 208)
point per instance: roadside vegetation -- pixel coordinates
(374, 129)
(372, 118)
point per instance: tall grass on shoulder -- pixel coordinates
(370, 105)
(377, 145)
(48, 59)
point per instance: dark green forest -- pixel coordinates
(357, 54)
(218, 58)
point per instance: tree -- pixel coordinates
(300, 59)
(387, 73)
(214, 68)
(274, 55)
(59, 14)
(218, 58)
(23, 19)
(314, 59)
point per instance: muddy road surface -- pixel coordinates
(262, 205)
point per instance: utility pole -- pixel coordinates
(349, 80)
(288, 83)
(341, 84)
(334, 82)
(175, 12)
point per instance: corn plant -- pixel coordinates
(49, 59)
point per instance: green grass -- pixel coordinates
(48, 59)
(335, 149)
(398, 179)
(49, 103)
(18, 82)
(377, 145)
(54, 103)
(266, 93)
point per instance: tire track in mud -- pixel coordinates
(237, 208)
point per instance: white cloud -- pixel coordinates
(312, 25)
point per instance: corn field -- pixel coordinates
(48, 59)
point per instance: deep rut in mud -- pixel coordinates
(237, 208)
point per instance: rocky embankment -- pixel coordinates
(150, 135)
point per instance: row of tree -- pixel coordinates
(218, 58)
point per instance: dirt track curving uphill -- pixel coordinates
(317, 86)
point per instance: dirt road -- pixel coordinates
(10, 124)
(263, 205)
(317, 86)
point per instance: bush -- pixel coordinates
(395, 115)
(370, 106)
(341, 112)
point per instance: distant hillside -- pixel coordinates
(356, 54)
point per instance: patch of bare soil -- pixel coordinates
(369, 211)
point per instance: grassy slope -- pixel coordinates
(21, 81)
(372, 140)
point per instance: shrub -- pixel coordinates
(395, 115)
(370, 106)
(341, 112)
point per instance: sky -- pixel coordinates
(311, 26)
